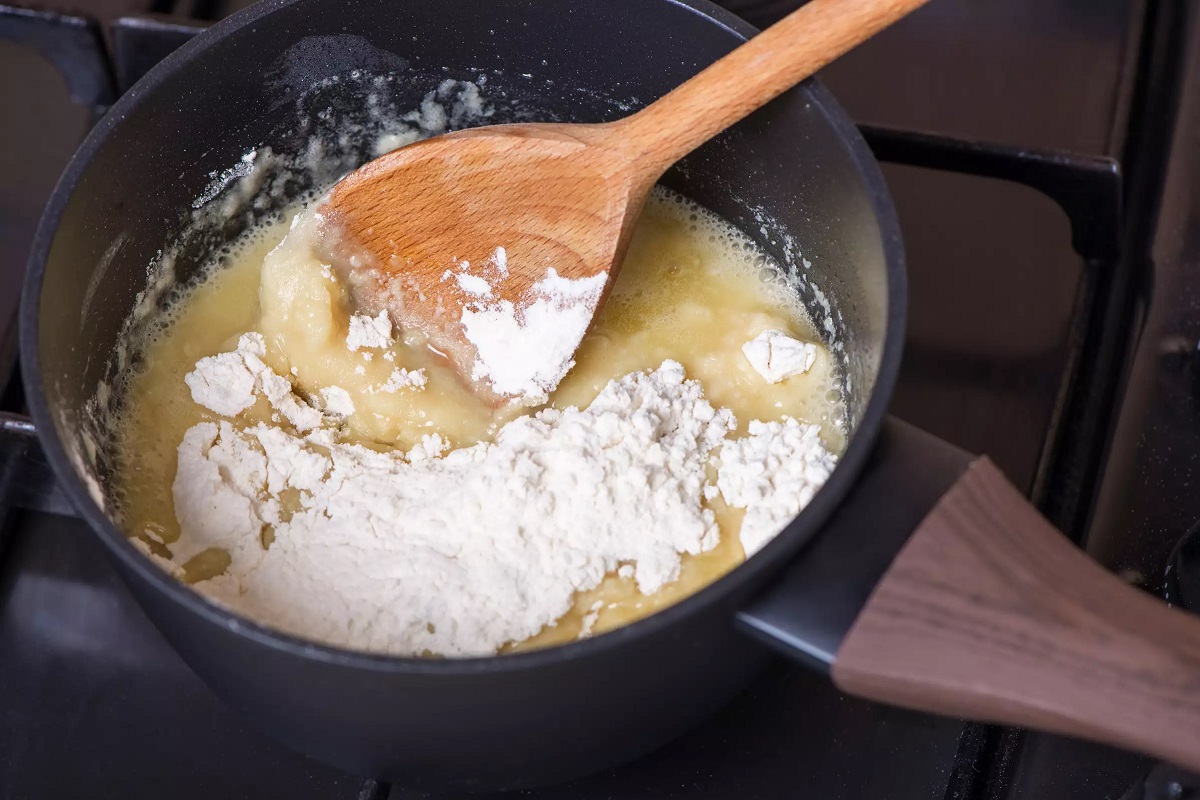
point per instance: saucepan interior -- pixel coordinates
(209, 143)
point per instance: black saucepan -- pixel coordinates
(986, 611)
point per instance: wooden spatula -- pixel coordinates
(500, 242)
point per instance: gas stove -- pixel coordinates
(1040, 153)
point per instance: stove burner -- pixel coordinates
(1165, 782)
(1181, 579)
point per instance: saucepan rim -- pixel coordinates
(783, 548)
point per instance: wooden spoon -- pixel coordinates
(508, 204)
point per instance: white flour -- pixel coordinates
(367, 331)
(772, 473)
(404, 379)
(777, 356)
(459, 554)
(227, 383)
(337, 401)
(223, 383)
(525, 352)
(473, 284)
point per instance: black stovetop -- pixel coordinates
(1019, 346)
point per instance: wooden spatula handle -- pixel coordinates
(753, 74)
(990, 613)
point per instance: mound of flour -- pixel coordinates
(460, 553)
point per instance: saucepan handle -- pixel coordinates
(988, 612)
(26, 478)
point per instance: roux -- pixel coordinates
(691, 289)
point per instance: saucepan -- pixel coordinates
(917, 576)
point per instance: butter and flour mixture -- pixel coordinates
(455, 554)
(310, 464)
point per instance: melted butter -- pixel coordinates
(691, 289)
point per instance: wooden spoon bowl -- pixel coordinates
(505, 204)
(554, 197)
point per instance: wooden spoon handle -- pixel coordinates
(990, 613)
(753, 74)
